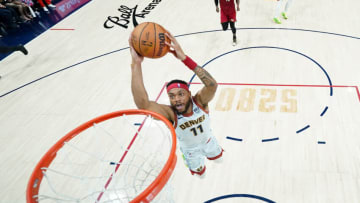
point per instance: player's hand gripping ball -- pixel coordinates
(148, 39)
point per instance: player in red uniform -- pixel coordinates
(228, 15)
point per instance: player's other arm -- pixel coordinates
(208, 91)
(138, 90)
(238, 5)
(217, 5)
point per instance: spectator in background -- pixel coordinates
(21, 7)
(48, 3)
(9, 49)
(8, 16)
(30, 5)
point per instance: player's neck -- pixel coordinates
(189, 110)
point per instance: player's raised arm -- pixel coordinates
(207, 92)
(139, 93)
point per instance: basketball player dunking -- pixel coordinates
(228, 15)
(189, 114)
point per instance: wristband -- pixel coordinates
(189, 63)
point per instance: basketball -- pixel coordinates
(148, 40)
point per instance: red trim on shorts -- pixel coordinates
(199, 173)
(216, 157)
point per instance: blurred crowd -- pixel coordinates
(15, 13)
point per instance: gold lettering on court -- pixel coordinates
(262, 100)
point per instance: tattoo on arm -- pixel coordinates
(205, 77)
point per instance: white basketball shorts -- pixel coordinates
(195, 157)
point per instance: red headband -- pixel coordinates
(177, 85)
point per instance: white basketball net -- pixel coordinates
(88, 167)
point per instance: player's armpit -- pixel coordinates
(199, 101)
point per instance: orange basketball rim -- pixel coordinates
(146, 195)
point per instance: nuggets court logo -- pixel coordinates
(127, 14)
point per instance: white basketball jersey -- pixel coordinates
(193, 129)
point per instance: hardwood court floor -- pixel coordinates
(286, 110)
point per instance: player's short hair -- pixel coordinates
(177, 81)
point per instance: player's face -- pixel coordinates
(179, 100)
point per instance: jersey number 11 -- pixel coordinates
(194, 131)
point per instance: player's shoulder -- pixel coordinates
(197, 101)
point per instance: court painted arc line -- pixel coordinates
(263, 140)
(271, 47)
(58, 71)
(270, 28)
(270, 139)
(250, 196)
(289, 85)
(324, 111)
(235, 139)
(181, 35)
(286, 85)
(302, 129)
